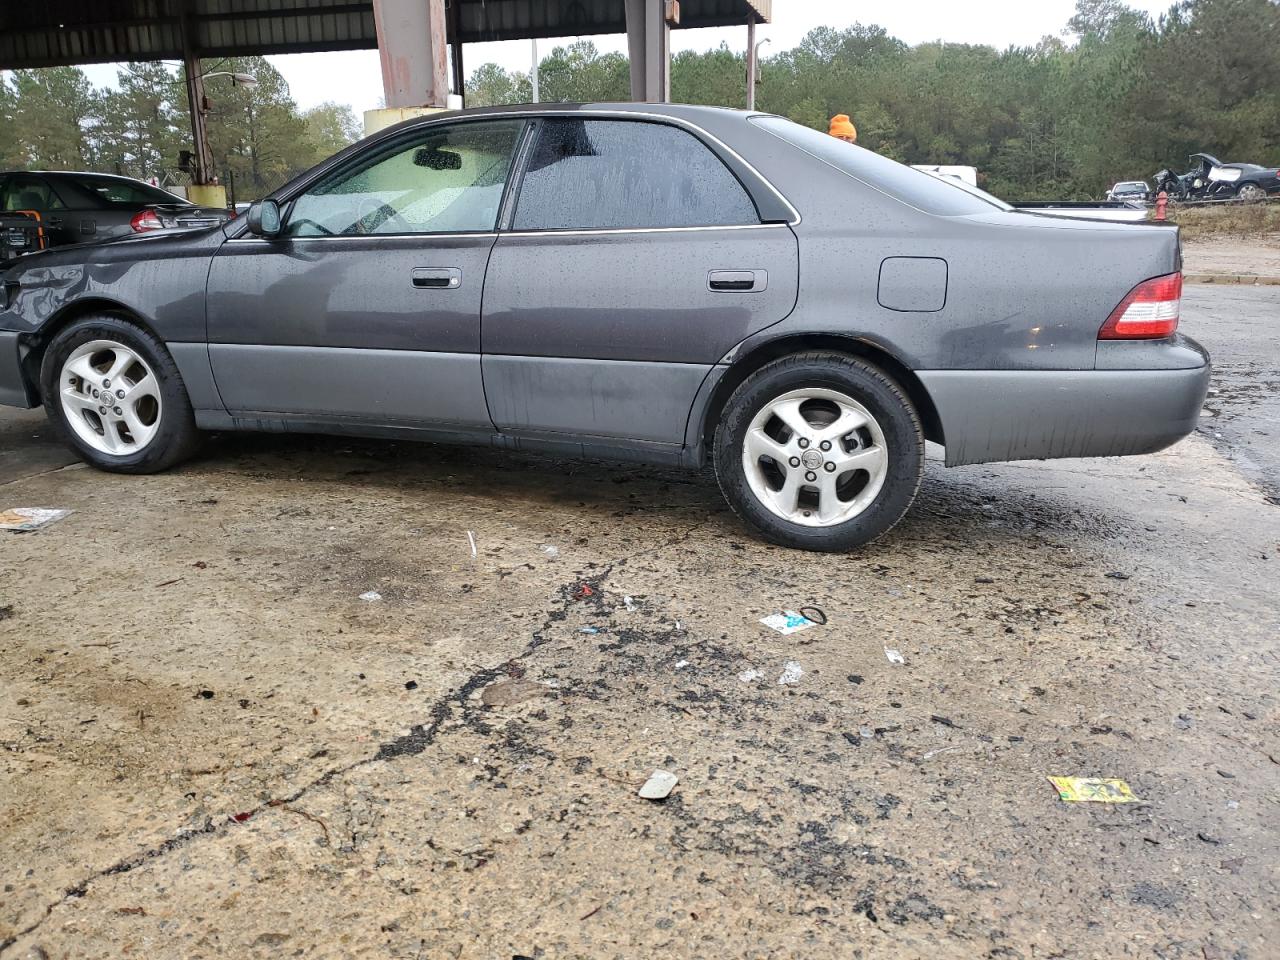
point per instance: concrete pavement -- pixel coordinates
(213, 748)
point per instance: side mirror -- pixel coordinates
(264, 219)
(434, 158)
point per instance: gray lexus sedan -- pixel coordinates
(665, 284)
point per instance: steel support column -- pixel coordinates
(413, 47)
(201, 155)
(455, 30)
(649, 46)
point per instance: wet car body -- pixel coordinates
(626, 341)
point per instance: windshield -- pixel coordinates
(120, 191)
(944, 197)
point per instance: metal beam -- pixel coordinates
(201, 155)
(649, 49)
(42, 33)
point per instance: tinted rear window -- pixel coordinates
(623, 174)
(120, 192)
(920, 190)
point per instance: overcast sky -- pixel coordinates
(354, 77)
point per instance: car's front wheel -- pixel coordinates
(117, 395)
(820, 451)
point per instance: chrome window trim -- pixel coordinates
(477, 234)
(572, 232)
(526, 114)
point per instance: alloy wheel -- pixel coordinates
(815, 457)
(110, 397)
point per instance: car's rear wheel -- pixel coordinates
(1250, 193)
(116, 393)
(820, 451)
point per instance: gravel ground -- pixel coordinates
(212, 747)
(1258, 256)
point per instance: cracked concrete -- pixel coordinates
(213, 748)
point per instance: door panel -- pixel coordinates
(311, 326)
(367, 306)
(598, 298)
(592, 398)
(392, 386)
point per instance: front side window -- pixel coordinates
(620, 174)
(31, 193)
(449, 180)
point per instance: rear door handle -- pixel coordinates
(737, 281)
(437, 278)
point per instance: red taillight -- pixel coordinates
(145, 220)
(1150, 311)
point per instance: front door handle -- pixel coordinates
(437, 278)
(737, 281)
(54, 221)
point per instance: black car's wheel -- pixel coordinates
(116, 394)
(1250, 193)
(820, 451)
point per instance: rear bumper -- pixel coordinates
(14, 390)
(997, 415)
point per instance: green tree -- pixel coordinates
(55, 114)
(717, 77)
(490, 85)
(331, 127)
(144, 122)
(10, 144)
(258, 139)
(1117, 96)
(579, 73)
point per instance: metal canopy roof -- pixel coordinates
(64, 32)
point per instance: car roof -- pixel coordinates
(624, 106)
(676, 111)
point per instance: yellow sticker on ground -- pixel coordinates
(1089, 789)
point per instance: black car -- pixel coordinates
(81, 207)
(1211, 179)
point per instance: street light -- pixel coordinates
(203, 158)
(237, 79)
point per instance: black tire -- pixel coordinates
(176, 437)
(874, 390)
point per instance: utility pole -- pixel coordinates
(201, 155)
(534, 72)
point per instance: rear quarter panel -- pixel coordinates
(1024, 291)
